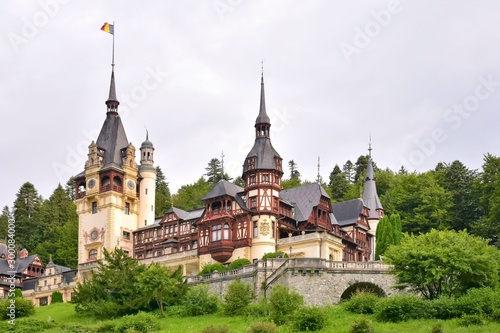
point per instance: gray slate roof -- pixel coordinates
(262, 118)
(112, 139)
(20, 264)
(223, 187)
(370, 196)
(265, 155)
(347, 212)
(304, 198)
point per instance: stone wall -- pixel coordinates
(320, 282)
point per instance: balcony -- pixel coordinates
(221, 250)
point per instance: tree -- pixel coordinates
(348, 170)
(239, 181)
(189, 197)
(26, 208)
(237, 298)
(70, 189)
(338, 185)
(294, 172)
(162, 195)
(444, 263)
(4, 222)
(215, 171)
(282, 303)
(388, 233)
(112, 289)
(158, 283)
(360, 168)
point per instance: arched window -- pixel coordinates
(92, 254)
(226, 231)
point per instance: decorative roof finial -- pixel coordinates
(370, 147)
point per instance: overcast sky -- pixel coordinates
(421, 77)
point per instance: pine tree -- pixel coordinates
(163, 199)
(26, 210)
(348, 170)
(4, 222)
(338, 185)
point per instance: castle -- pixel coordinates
(115, 199)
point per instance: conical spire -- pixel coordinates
(370, 195)
(262, 118)
(112, 101)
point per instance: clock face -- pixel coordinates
(91, 183)
(94, 235)
(131, 184)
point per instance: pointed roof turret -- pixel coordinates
(370, 195)
(262, 118)
(112, 101)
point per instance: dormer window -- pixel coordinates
(251, 163)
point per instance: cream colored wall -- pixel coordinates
(147, 200)
(265, 242)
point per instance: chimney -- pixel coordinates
(22, 254)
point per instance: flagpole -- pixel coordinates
(113, 52)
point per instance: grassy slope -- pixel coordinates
(339, 321)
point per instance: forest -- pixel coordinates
(449, 197)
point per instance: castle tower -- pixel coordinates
(147, 172)
(106, 192)
(371, 199)
(262, 172)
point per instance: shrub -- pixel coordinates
(362, 303)
(471, 320)
(260, 309)
(362, 325)
(216, 329)
(56, 297)
(238, 263)
(237, 298)
(199, 301)
(261, 327)
(438, 328)
(273, 255)
(401, 308)
(495, 316)
(210, 268)
(142, 322)
(282, 303)
(308, 319)
(19, 306)
(27, 325)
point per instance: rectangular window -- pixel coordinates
(44, 301)
(265, 178)
(252, 180)
(152, 209)
(253, 202)
(274, 229)
(126, 252)
(127, 208)
(146, 191)
(176, 228)
(255, 229)
(216, 233)
(126, 235)
(158, 233)
(94, 207)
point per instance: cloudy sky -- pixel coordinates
(421, 77)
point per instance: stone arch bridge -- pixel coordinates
(319, 281)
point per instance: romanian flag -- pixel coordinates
(109, 28)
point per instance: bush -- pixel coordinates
(495, 316)
(484, 301)
(238, 263)
(282, 303)
(237, 298)
(27, 325)
(260, 309)
(199, 301)
(471, 320)
(261, 327)
(402, 308)
(362, 325)
(216, 329)
(362, 303)
(308, 319)
(142, 322)
(273, 255)
(19, 306)
(210, 268)
(56, 297)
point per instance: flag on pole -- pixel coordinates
(109, 28)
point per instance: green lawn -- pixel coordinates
(339, 321)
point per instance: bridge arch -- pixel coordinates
(360, 286)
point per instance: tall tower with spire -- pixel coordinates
(262, 173)
(371, 199)
(147, 173)
(106, 192)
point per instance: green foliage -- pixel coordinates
(163, 198)
(402, 307)
(362, 325)
(216, 329)
(199, 301)
(484, 301)
(210, 268)
(338, 185)
(444, 263)
(238, 296)
(5, 217)
(56, 297)
(259, 309)
(388, 233)
(158, 283)
(290, 183)
(262, 327)
(141, 322)
(238, 263)
(26, 214)
(215, 171)
(362, 303)
(273, 255)
(282, 304)
(112, 289)
(438, 328)
(309, 319)
(471, 320)
(188, 197)
(19, 307)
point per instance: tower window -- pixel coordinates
(255, 229)
(226, 231)
(265, 178)
(127, 208)
(146, 191)
(152, 209)
(92, 254)
(216, 233)
(253, 202)
(94, 207)
(126, 235)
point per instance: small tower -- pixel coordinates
(371, 199)
(147, 172)
(262, 172)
